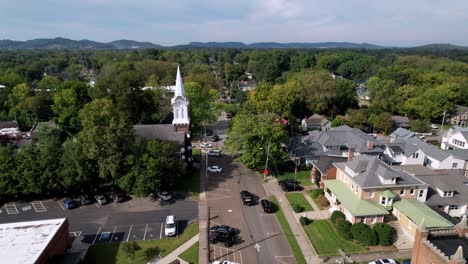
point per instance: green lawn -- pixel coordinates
(316, 203)
(326, 241)
(299, 199)
(302, 176)
(287, 232)
(191, 254)
(114, 253)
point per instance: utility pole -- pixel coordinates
(266, 163)
(443, 120)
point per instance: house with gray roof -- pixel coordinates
(402, 152)
(400, 121)
(455, 138)
(459, 117)
(315, 122)
(365, 189)
(335, 142)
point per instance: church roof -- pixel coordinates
(179, 86)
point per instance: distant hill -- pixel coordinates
(64, 43)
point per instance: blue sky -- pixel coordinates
(170, 22)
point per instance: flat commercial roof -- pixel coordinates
(417, 211)
(24, 242)
(356, 206)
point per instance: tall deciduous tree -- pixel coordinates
(202, 102)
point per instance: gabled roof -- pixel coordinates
(400, 145)
(402, 121)
(420, 213)
(316, 120)
(446, 180)
(402, 133)
(457, 129)
(326, 162)
(460, 110)
(369, 169)
(428, 149)
(459, 153)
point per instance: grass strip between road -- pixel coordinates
(326, 240)
(146, 249)
(299, 199)
(191, 254)
(288, 232)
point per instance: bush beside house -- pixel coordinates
(344, 228)
(368, 237)
(384, 233)
(337, 217)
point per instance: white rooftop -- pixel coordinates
(23, 242)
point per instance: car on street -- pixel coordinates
(215, 169)
(100, 199)
(214, 153)
(117, 196)
(291, 186)
(383, 261)
(206, 145)
(434, 126)
(247, 197)
(224, 262)
(215, 138)
(223, 233)
(69, 203)
(84, 200)
(164, 196)
(267, 206)
(170, 227)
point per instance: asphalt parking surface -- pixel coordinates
(134, 219)
(261, 239)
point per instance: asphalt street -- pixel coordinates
(135, 219)
(261, 240)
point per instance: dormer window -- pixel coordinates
(387, 181)
(350, 171)
(448, 194)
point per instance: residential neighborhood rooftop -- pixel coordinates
(446, 180)
(420, 214)
(326, 162)
(356, 206)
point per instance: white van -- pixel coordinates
(170, 226)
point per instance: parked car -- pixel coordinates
(223, 233)
(117, 196)
(434, 126)
(215, 138)
(406, 261)
(164, 196)
(224, 262)
(215, 169)
(84, 200)
(290, 186)
(383, 261)
(100, 199)
(69, 203)
(214, 153)
(247, 197)
(170, 227)
(267, 206)
(289, 181)
(206, 145)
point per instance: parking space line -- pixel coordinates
(129, 231)
(278, 258)
(61, 205)
(146, 228)
(11, 208)
(160, 232)
(113, 233)
(38, 207)
(97, 205)
(97, 234)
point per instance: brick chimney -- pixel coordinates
(350, 153)
(370, 144)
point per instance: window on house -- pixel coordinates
(448, 194)
(411, 192)
(374, 219)
(454, 165)
(371, 194)
(453, 207)
(363, 219)
(402, 191)
(421, 192)
(383, 200)
(415, 155)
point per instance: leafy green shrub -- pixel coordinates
(304, 220)
(344, 228)
(130, 248)
(357, 229)
(384, 233)
(322, 201)
(368, 237)
(151, 253)
(297, 208)
(337, 217)
(316, 193)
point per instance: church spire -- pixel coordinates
(179, 85)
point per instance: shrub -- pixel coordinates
(357, 229)
(322, 201)
(337, 217)
(130, 248)
(304, 220)
(151, 253)
(316, 193)
(384, 233)
(297, 208)
(344, 228)
(368, 237)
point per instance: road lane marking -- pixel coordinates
(11, 208)
(146, 228)
(97, 234)
(61, 205)
(160, 232)
(113, 233)
(76, 233)
(129, 231)
(97, 205)
(278, 258)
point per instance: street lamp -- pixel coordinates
(265, 172)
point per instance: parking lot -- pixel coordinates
(134, 219)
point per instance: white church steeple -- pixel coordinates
(180, 104)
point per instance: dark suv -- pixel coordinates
(223, 233)
(267, 206)
(84, 199)
(247, 198)
(290, 185)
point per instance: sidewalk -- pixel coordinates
(203, 215)
(317, 213)
(366, 257)
(272, 188)
(174, 254)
